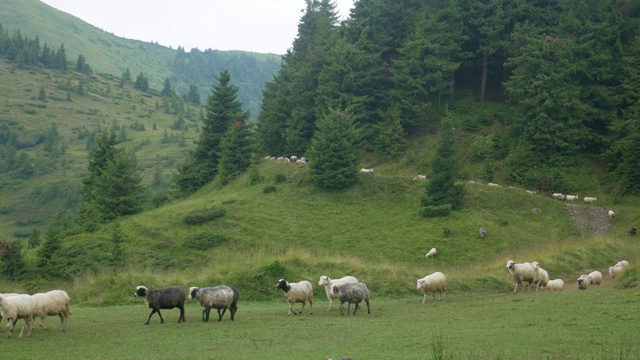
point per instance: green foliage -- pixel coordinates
(432, 211)
(204, 241)
(269, 189)
(50, 262)
(142, 82)
(13, 263)
(628, 278)
(118, 255)
(34, 238)
(235, 151)
(202, 216)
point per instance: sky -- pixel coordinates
(263, 26)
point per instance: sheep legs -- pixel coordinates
(153, 312)
(28, 322)
(220, 315)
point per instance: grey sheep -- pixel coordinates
(483, 232)
(352, 294)
(221, 297)
(162, 299)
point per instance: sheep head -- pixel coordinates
(193, 292)
(323, 280)
(141, 291)
(510, 265)
(284, 285)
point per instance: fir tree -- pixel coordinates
(167, 89)
(13, 263)
(235, 152)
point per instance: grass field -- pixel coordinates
(571, 324)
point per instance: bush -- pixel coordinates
(21, 233)
(279, 178)
(269, 189)
(199, 217)
(204, 241)
(435, 211)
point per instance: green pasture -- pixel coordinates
(570, 324)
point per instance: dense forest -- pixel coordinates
(570, 68)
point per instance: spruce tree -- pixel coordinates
(235, 152)
(334, 155)
(442, 194)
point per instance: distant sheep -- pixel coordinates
(221, 297)
(366, 171)
(557, 196)
(589, 200)
(54, 302)
(618, 267)
(17, 307)
(555, 285)
(328, 283)
(432, 253)
(540, 276)
(162, 299)
(420, 177)
(570, 198)
(483, 232)
(493, 185)
(436, 282)
(521, 273)
(584, 282)
(633, 231)
(530, 192)
(301, 162)
(611, 214)
(595, 278)
(299, 292)
(352, 294)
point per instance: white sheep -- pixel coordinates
(611, 215)
(615, 269)
(583, 282)
(521, 272)
(7, 294)
(54, 302)
(595, 278)
(570, 198)
(555, 285)
(557, 196)
(432, 253)
(17, 307)
(589, 200)
(366, 171)
(436, 282)
(540, 276)
(301, 162)
(420, 177)
(531, 192)
(328, 283)
(299, 292)
(493, 185)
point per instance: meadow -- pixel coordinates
(599, 323)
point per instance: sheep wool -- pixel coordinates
(595, 278)
(555, 285)
(540, 276)
(583, 282)
(434, 283)
(54, 302)
(299, 292)
(328, 283)
(17, 307)
(221, 297)
(162, 299)
(521, 273)
(432, 253)
(352, 294)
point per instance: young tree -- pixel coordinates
(193, 96)
(167, 89)
(46, 262)
(13, 264)
(335, 153)
(235, 152)
(126, 77)
(441, 192)
(142, 82)
(82, 66)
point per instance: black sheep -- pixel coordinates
(162, 299)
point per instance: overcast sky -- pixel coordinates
(264, 26)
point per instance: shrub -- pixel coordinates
(199, 217)
(21, 233)
(279, 178)
(204, 241)
(269, 189)
(435, 211)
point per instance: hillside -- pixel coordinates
(110, 54)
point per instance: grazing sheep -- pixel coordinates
(287, 161)
(557, 196)
(555, 285)
(298, 292)
(221, 297)
(540, 276)
(432, 253)
(366, 171)
(301, 162)
(328, 283)
(17, 307)
(436, 282)
(7, 295)
(472, 182)
(583, 282)
(521, 273)
(162, 299)
(531, 192)
(352, 294)
(54, 302)
(611, 215)
(589, 200)
(633, 231)
(483, 232)
(420, 177)
(595, 278)
(615, 269)
(493, 185)
(570, 198)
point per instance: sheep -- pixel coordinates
(570, 198)
(54, 302)
(595, 278)
(17, 307)
(287, 161)
(7, 295)
(583, 282)
(589, 200)
(436, 282)
(420, 177)
(366, 171)
(352, 294)
(557, 196)
(633, 231)
(301, 162)
(328, 283)
(483, 232)
(298, 292)
(618, 267)
(220, 297)
(540, 276)
(611, 215)
(493, 185)
(162, 299)
(521, 272)
(555, 285)
(432, 253)
(531, 192)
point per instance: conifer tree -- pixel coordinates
(167, 89)
(235, 151)
(335, 152)
(13, 263)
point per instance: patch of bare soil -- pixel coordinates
(591, 219)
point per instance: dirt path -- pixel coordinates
(590, 219)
